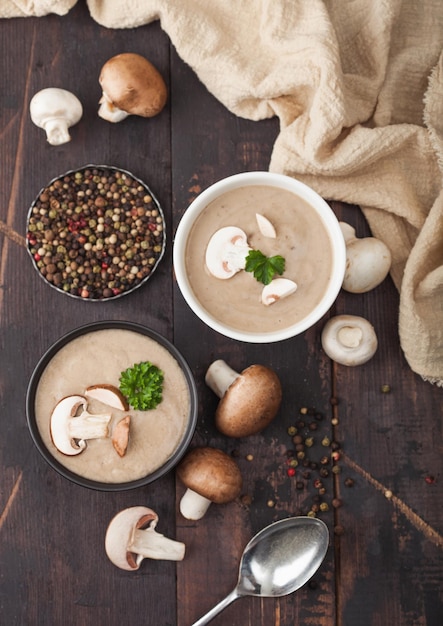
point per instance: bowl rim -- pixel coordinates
(44, 361)
(271, 179)
(157, 204)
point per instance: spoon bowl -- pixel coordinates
(278, 560)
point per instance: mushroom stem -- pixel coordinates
(57, 131)
(219, 377)
(350, 336)
(109, 112)
(87, 426)
(149, 544)
(193, 506)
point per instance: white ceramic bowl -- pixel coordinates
(307, 195)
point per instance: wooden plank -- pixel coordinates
(208, 144)
(54, 569)
(391, 558)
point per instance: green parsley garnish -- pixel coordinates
(142, 385)
(264, 268)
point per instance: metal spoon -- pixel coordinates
(278, 560)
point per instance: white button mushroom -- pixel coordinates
(209, 475)
(69, 431)
(349, 340)
(131, 537)
(226, 252)
(277, 289)
(368, 261)
(55, 110)
(248, 401)
(131, 85)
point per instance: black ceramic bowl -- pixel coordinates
(41, 435)
(96, 233)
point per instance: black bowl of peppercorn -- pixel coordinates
(96, 233)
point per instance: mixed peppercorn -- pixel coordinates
(95, 233)
(306, 466)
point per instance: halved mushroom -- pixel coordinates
(131, 537)
(248, 401)
(368, 261)
(131, 85)
(265, 226)
(209, 475)
(70, 431)
(55, 110)
(349, 340)
(277, 289)
(109, 395)
(226, 252)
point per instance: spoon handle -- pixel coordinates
(218, 608)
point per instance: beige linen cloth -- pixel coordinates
(357, 86)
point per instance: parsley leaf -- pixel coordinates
(264, 268)
(142, 385)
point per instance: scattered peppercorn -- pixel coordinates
(430, 479)
(349, 482)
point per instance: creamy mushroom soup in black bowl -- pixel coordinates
(259, 257)
(112, 405)
(96, 233)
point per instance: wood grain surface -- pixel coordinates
(384, 565)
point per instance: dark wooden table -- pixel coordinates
(385, 562)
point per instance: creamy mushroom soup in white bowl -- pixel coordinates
(259, 257)
(112, 405)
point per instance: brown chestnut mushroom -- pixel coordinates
(209, 475)
(131, 85)
(248, 401)
(131, 537)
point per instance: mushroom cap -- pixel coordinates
(212, 474)
(131, 83)
(54, 102)
(109, 395)
(63, 411)
(119, 534)
(250, 403)
(349, 340)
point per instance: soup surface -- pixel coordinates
(301, 239)
(99, 357)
